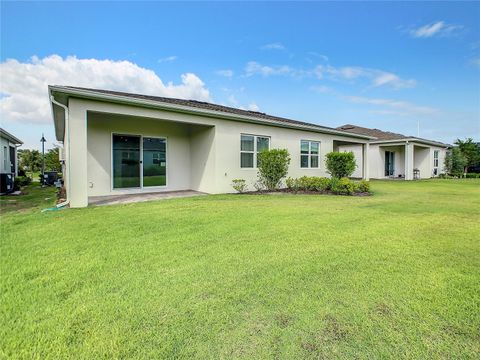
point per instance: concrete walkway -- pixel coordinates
(133, 198)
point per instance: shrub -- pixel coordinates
(292, 184)
(272, 167)
(20, 181)
(240, 185)
(472, 176)
(343, 186)
(340, 164)
(362, 186)
(321, 184)
(304, 183)
(455, 162)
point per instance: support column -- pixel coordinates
(408, 161)
(366, 164)
(78, 154)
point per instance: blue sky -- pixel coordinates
(384, 65)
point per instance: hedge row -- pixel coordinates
(343, 186)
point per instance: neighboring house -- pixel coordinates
(9, 162)
(121, 143)
(398, 156)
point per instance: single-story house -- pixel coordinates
(122, 143)
(398, 156)
(8, 162)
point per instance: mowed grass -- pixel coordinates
(394, 275)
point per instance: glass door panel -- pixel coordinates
(154, 162)
(126, 161)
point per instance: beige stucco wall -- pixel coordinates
(357, 151)
(203, 153)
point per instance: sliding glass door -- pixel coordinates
(126, 161)
(154, 162)
(139, 161)
(389, 163)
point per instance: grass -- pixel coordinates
(395, 275)
(33, 198)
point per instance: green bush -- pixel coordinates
(20, 181)
(340, 164)
(343, 186)
(272, 167)
(239, 185)
(304, 183)
(321, 184)
(292, 184)
(472, 176)
(362, 186)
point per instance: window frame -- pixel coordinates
(436, 156)
(309, 155)
(254, 151)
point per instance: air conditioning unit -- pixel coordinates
(6, 183)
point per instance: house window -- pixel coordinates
(435, 162)
(309, 151)
(250, 146)
(5, 158)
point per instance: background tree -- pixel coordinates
(52, 160)
(272, 167)
(455, 162)
(29, 160)
(470, 151)
(340, 164)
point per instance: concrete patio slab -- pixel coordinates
(133, 198)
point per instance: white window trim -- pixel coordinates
(255, 152)
(436, 159)
(309, 155)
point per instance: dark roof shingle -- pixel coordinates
(382, 135)
(208, 106)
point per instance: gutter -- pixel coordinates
(196, 111)
(67, 136)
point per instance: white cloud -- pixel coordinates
(253, 107)
(439, 28)
(273, 46)
(254, 68)
(168, 59)
(318, 55)
(24, 84)
(386, 78)
(227, 73)
(400, 106)
(376, 77)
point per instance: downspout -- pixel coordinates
(67, 137)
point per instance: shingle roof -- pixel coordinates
(208, 106)
(379, 134)
(383, 135)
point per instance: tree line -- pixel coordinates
(462, 157)
(30, 161)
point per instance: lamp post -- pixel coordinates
(42, 140)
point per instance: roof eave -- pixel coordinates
(428, 142)
(11, 138)
(187, 109)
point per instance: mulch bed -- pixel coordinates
(300, 192)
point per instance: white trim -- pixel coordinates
(255, 151)
(403, 141)
(141, 188)
(309, 155)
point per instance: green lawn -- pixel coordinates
(395, 275)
